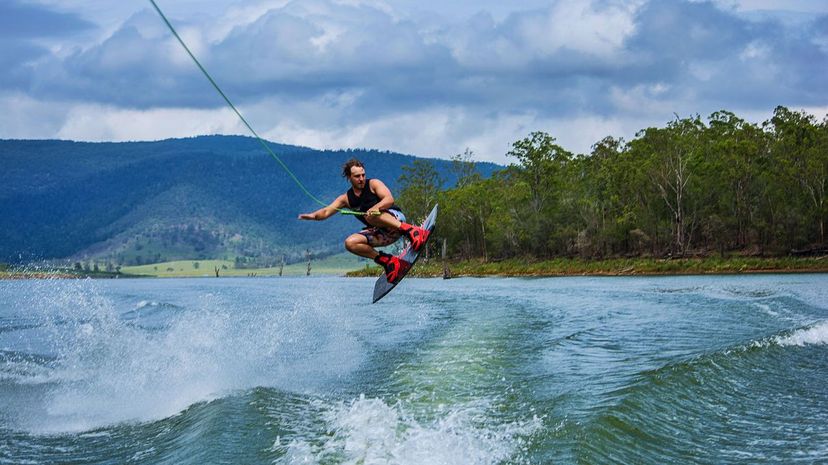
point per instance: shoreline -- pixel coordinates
(560, 267)
(613, 267)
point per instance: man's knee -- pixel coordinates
(353, 241)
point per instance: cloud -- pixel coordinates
(106, 123)
(564, 58)
(26, 118)
(565, 38)
(333, 73)
(139, 66)
(14, 54)
(707, 58)
(22, 21)
(24, 29)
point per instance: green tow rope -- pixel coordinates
(262, 142)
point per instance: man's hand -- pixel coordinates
(307, 216)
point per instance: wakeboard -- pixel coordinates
(382, 286)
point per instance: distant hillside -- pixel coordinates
(218, 197)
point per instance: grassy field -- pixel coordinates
(334, 265)
(614, 267)
(346, 264)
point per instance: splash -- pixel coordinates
(813, 335)
(370, 432)
(104, 369)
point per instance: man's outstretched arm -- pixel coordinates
(326, 212)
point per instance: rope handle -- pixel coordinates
(346, 211)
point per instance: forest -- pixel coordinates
(691, 188)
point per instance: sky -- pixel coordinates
(428, 78)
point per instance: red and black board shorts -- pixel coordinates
(380, 237)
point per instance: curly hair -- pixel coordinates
(346, 168)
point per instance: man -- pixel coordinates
(384, 221)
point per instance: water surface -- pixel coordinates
(713, 369)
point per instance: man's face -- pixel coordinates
(357, 177)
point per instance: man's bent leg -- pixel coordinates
(417, 235)
(385, 220)
(358, 244)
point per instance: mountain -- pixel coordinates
(194, 198)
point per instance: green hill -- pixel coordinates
(208, 197)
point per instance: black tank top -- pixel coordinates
(365, 201)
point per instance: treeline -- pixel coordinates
(693, 187)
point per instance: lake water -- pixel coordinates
(713, 369)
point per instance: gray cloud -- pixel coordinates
(14, 54)
(716, 58)
(529, 60)
(23, 28)
(26, 21)
(677, 31)
(138, 66)
(328, 67)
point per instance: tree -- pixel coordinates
(598, 198)
(739, 154)
(419, 185)
(464, 168)
(466, 215)
(540, 158)
(801, 149)
(540, 172)
(672, 155)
